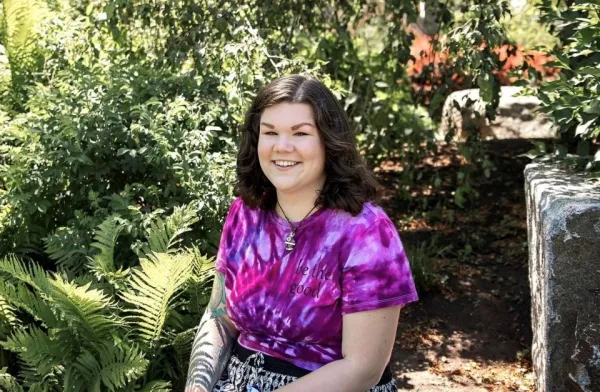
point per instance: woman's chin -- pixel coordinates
(285, 188)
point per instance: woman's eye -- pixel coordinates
(269, 133)
(300, 133)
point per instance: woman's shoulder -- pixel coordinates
(370, 214)
(238, 209)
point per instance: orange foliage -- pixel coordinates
(424, 82)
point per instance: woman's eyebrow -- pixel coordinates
(293, 128)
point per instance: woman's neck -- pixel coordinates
(296, 206)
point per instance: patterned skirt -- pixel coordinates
(253, 371)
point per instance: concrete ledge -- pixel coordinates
(563, 220)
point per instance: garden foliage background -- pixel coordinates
(118, 131)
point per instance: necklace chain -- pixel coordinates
(290, 242)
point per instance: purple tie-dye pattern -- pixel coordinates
(289, 304)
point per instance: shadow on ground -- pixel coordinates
(472, 330)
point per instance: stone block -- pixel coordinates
(563, 220)
(516, 117)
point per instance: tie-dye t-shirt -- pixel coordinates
(289, 304)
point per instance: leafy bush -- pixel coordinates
(141, 103)
(524, 28)
(111, 140)
(572, 102)
(114, 327)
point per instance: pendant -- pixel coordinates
(289, 241)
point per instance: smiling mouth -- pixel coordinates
(285, 163)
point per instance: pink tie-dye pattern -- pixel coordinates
(344, 264)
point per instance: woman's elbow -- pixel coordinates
(369, 374)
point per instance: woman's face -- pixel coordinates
(290, 148)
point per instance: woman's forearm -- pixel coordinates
(337, 376)
(212, 344)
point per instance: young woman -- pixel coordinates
(311, 274)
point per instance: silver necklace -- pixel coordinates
(290, 241)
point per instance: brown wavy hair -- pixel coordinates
(348, 184)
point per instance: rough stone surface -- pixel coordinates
(585, 362)
(563, 219)
(516, 118)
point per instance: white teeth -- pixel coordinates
(285, 163)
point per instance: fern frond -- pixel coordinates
(22, 18)
(157, 386)
(73, 381)
(7, 313)
(103, 264)
(199, 287)
(163, 236)
(88, 309)
(21, 297)
(30, 273)
(8, 382)
(153, 289)
(203, 266)
(182, 345)
(36, 349)
(68, 247)
(32, 381)
(112, 366)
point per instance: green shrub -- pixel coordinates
(125, 140)
(572, 102)
(422, 259)
(114, 327)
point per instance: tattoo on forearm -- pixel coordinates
(212, 344)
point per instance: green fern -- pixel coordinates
(88, 309)
(163, 236)
(157, 386)
(68, 247)
(7, 313)
(8, 382)
(111, 366)
(154, 287)
(203, 269)
(29, 273)
(37, 349)
(182, 344)
(102, 264)
(30, 379)
(18, 295)
(73, 381)
(21, 19)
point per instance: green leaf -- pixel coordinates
(102, 264)
(593, 108)
(37, 349)
(589, 71)
(157, 386)
(112, 366)
(485, 87)
(582, 128)
(8, 382)
(89, 310)
(153, 289)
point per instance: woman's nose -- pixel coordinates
(283, 144)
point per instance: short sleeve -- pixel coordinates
(376, 272)
(227, 240)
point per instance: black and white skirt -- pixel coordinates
(253, 371)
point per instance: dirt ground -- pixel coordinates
(472, 330)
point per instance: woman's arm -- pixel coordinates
(367, 341)
(213, 342)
